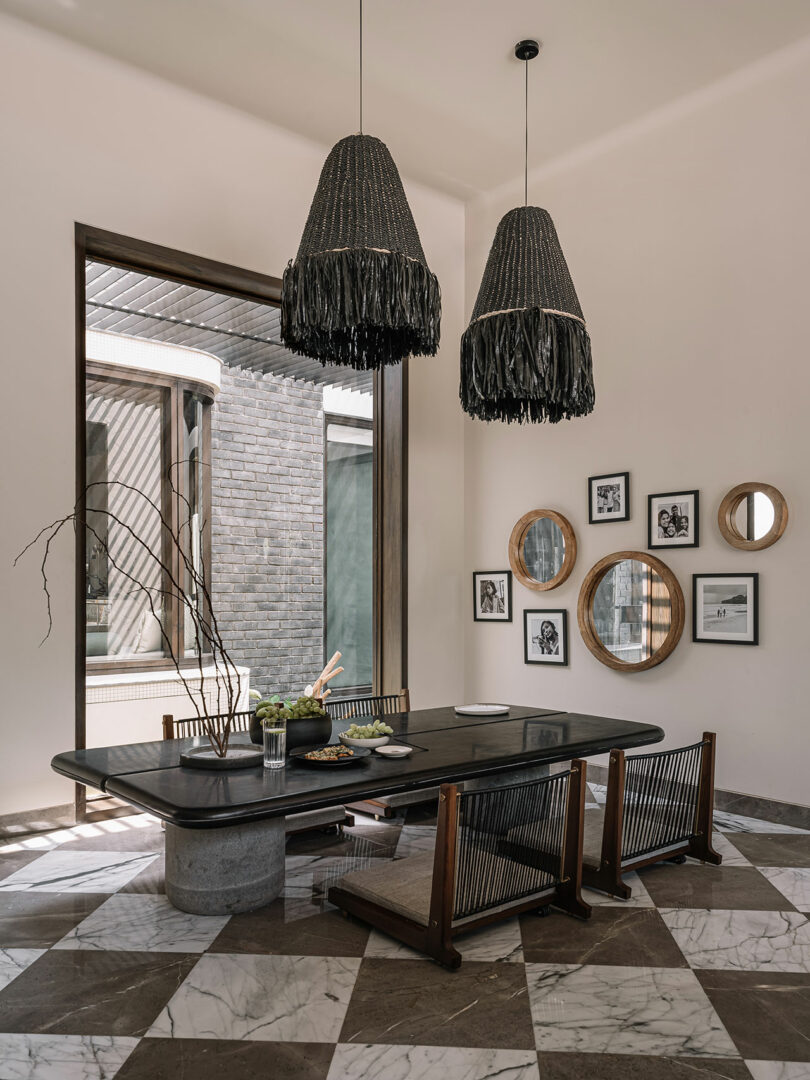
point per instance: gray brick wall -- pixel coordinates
(267, 527)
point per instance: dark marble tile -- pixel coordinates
(90, 993)
(636, 937)
(740, 888)
(632, 1067)
(361, 841)
(269, 931)
(152, 879)
(421, 813)
(767, 1016)
(35, 920)
(218, 1059)
(731, 802)
(12, 861)
(774, 849)
(418, 1002)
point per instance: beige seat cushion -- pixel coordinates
(402, 886)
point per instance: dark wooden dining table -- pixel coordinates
(225, 829)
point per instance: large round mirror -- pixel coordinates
(542, 549)
(752, 516)
(631, 611)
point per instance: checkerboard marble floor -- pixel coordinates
(703, 974)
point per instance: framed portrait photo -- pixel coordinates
(608, 498)
(545, 636)
(725, 608)
(673, 520)
(492, 595)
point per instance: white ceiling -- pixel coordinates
(442, 87)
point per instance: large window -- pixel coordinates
(145, 475)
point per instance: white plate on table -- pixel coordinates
(481, 709)
(394, 751)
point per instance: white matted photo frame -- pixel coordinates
(545, 636)
(673, 520)
(492, 595)
(725, 608)
(608, 498)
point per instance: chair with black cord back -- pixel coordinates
(296, 823)
(476, 874)
(659, 806)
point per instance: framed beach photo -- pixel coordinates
(492, 595)
(608, 498)
(545, 636)
(673, 520)
(725, 608)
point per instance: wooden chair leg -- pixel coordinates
(568, 896)
(700, 846)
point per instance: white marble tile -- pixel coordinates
(792, 882)
(78, 871)
(725, 822)
(599, 792)
(63, 1057)
(270, 998)
(365, 1061)
(741, 940)
(416, 839)
(501, 941)
(14, 961)
(779, 1070)
(601, 1009)
(143, 923)
(639, 898)
(723, 846)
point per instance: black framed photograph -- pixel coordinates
(492, 595)
(673, 520)
(545, 636)
(725, 608)
(609, 498)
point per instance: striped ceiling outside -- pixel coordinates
(242, 333)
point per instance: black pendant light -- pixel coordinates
(360, 293)
(526, 355)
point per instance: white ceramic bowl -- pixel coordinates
(371, 743)
(394, 751)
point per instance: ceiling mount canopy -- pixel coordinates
(359, 292)
(526, 355)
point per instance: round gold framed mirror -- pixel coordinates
(752, 516)
(631, 611)
(542, 549)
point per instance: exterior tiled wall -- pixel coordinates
(267, 543)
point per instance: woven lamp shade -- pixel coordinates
(526, 355)
(359, 292)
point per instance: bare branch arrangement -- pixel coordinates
(195, 599)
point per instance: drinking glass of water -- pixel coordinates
(275, 743)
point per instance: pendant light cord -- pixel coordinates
(526, 143)
(361, 67)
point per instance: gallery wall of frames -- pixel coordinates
(631, 610)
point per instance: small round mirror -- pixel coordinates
(631, 611)
(752, 516)
(542, 549)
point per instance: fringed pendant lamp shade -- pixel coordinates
(526, 355)
(359, 292)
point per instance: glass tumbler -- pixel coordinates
(275, 743)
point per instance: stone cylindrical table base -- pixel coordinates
(225, 870)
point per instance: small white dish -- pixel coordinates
(481, 709)
(395, 751)
(373, 743)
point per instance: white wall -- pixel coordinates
(87, 139)
(687, 236)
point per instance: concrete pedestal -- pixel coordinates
(225, 870)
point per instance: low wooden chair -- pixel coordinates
(354, 711)
(659, 806)
(296, 823)
(479, 872)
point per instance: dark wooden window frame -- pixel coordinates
(390, 426)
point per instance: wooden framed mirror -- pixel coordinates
(631, 611)
(542, 549)
(752, 516)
